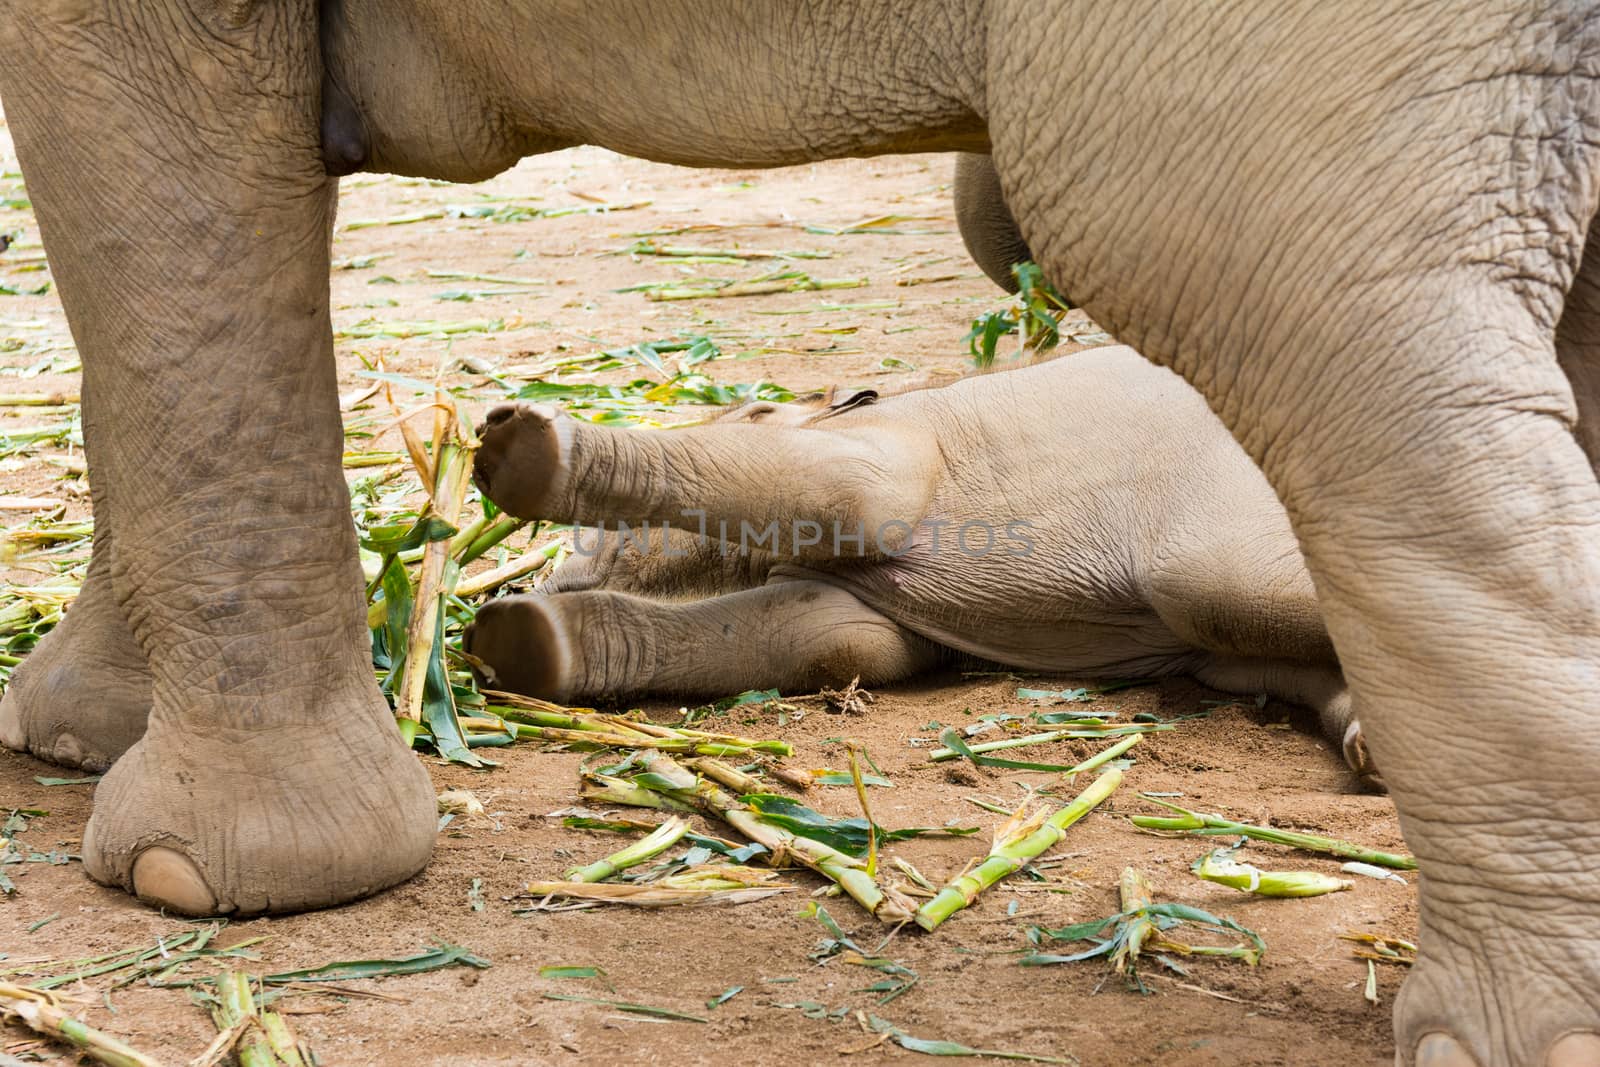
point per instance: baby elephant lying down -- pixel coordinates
(1085, 516)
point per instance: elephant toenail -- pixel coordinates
(1442, 1050)
(169, 879)
(1581, 1049)
(68, 751)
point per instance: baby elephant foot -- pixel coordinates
(522, 459)
(1359, 758)
(81, 698)
(519, 645)
(232, 819)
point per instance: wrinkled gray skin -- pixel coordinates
(1358, 229)
(1090, 515)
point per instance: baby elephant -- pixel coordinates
(1086, 516)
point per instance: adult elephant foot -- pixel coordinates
(319, 812)
(81, 698)
(271, 776)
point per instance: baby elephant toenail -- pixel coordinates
(170, 880)
(1442, 1050)
(68, 752)
(1575, 1050)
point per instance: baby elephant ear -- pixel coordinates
(854, 400)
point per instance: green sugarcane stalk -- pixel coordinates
(566, 720)
(611, 740)
(780, 748)
(849, 873)
(490, 535)
(521, 567)
(664, 837)
(1009, 853)
(638, 734)
(282, 1040)
(239, 1008)
(453, 469)
(1106, 756)
(1133, 890)
(1206, 825)
(757, 287)
(939, 755)
(43, 1013)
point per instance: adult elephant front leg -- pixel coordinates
(1376, 320)
(173, 157)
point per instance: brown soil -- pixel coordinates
(1302, 1005)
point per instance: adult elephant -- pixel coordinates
(1358, 230)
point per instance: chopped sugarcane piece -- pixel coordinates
(664, 775)
(1023, 837)
(1199, 823)
(793, 779)
(1133, 893)
(1220, 866)
(45, 1013)
(608, 789)
(723, 774)
(665, 836)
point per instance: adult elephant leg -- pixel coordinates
(82, 697)
(1452, 524)
(172, 154)
(1361, 259)
(987, 226)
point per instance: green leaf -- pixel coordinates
(583, 822)
(635, 1009)
(434, 959)
(89, 780)
(1056, 696)
(846, 835)
(930, 1047)
(724, 996)
(951, 739)
(398, 537)
(571, 972)
(844, 778)
(1075, 932)
(439, 705)
(397, 617)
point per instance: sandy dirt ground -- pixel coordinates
(1304, 1004)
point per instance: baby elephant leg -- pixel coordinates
(1321, 689)
(665, 563)
(792, 490)
(792, 636)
